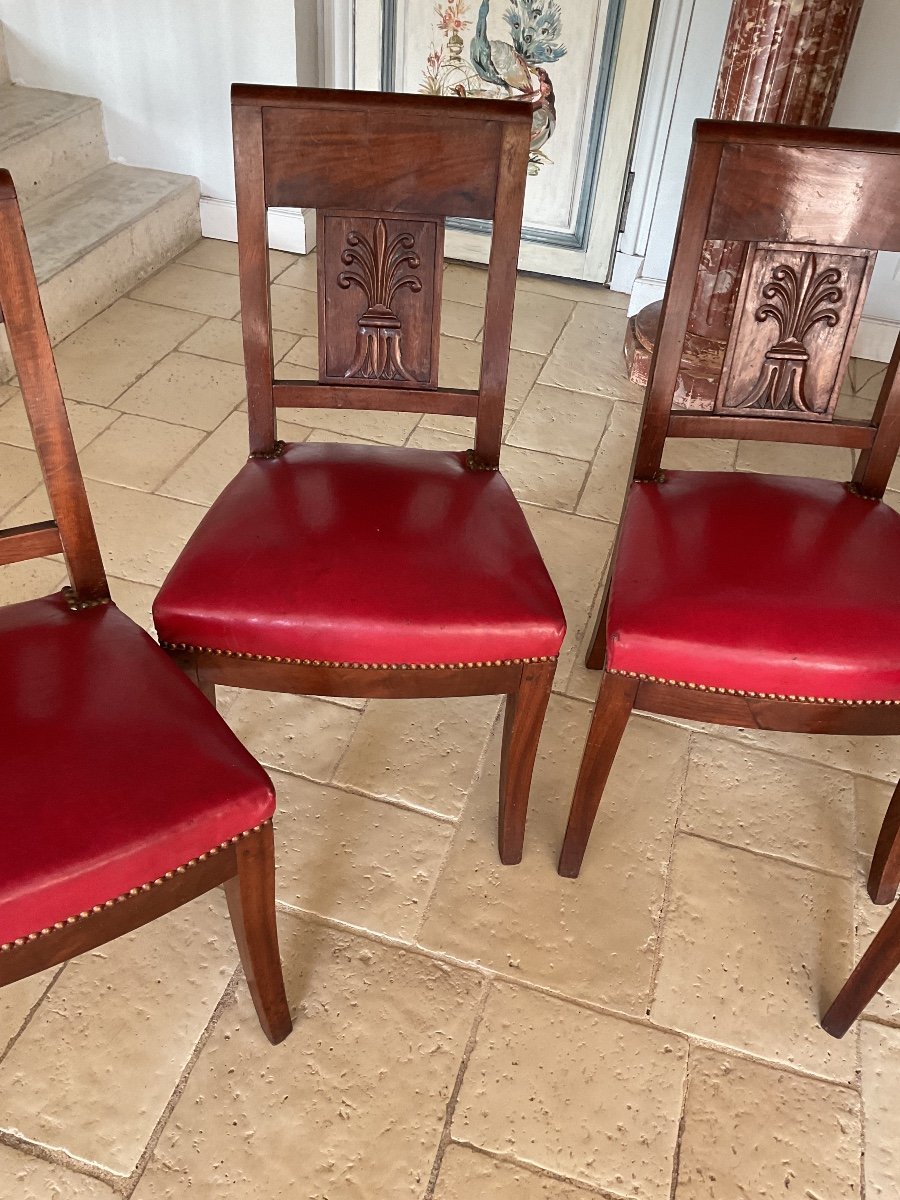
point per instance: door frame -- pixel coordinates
(348, 30)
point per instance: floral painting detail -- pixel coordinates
(496, 68)
(380, 268)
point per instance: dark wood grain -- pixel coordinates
(307, 393)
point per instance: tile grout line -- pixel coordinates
(862, 1103)
(61, 1158)
(540, 1172)
(769, 856)
(32, 1012)
(453, 1099)
(226, 1000)
(682, 1120)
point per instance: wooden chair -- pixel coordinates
(352, 570)
(124, 794)
(761, 600)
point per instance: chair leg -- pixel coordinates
(879, 962)
(611, 712)
(884, 874)
(522, 724)
(251, 905)
(595, 659)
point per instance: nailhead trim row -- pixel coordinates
(276, 452)
(703, 687)
(144, 887)
(77, 605)
(321, 662)
(474, 463)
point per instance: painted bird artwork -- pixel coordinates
(497, 67)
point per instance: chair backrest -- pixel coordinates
(72, 528)
(383, 172)
(812, 206)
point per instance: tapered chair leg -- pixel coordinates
(595, 659)
(611, 712)
(879, 962)
(251, 905)
(884, 874)
(522, 724)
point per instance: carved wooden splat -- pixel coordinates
(379, 298)
(795, 319)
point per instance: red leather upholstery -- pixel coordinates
(115, 769)
(758, 582)
(347, 553)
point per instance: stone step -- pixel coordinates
(96, 239)
(49, 140)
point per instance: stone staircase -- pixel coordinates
(95, 227)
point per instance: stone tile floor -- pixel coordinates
(462, 1030)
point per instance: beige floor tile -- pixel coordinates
(560, 422)
(223, 340)
(586, 1095)
(85, 420)
(352, 1105)
(589, 357)
(460, 363)
(880, 1055)
(215, 255)
(581, 683)
(108, 354)
(138, 452)
(203, 475)
(302, 273)
(782, 458)
(699, 454)
(30, 579)
(94, 1069)
(466, 1174)
(358, 860)
(750, 1130)
(214, 293)
(20, 474)
(572, 289)
(329, 435)
(604, 492)
(134, 599)
(16, 1002)
(546, 479)
(460, 320)
(422, 752)
(854, 408)
(294, 310)
(575, 550)
(186, 389)
(24, 1177)
(304, 353)
(538, 321)
(872, 799)
(866, 376)
(388, 428)
(780, 806)
(594, 937)
(752, 952)
(299, 734)
(465, 283)
(875, 756)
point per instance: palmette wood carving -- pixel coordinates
(797, 312)
(379, 298)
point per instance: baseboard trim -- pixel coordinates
(291, 229)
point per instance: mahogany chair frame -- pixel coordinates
(245, 864)
(427, 158)
(855, 208)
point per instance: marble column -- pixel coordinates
(782, 60)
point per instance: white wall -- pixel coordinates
(163, 69)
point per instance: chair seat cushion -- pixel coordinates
(115, 768)
(356, 554)
(761, 583)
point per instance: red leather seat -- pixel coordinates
(758, 583)
(116, 770)
(357, 554)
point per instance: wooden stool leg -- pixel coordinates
(879, 962)
(522, 724)
(884, 874)
(251, 905)
(608, 722)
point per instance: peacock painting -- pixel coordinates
(497, 67)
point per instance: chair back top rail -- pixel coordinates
(812, 206)
(383, 172)
(72, 528)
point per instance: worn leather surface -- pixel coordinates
(348, 553)
(115, 768)
(758, 582)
